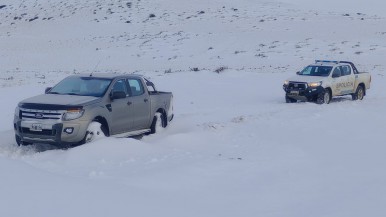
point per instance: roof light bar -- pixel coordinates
(326, 61)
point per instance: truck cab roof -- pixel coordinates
(109, 75)
(335, 63)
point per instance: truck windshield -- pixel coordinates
(82, 86)
(316, 71)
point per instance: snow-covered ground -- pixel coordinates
(234, 148)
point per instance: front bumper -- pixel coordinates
(303, 92)
(55, 134)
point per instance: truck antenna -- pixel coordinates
(96, 66)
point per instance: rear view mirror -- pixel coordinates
(117, 95)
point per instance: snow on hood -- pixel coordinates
(57, 99)
(304, 78)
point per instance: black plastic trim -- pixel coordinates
(48, 106)
(309, 94)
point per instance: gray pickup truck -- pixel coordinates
(120, 105)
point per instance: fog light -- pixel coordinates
(69, 130)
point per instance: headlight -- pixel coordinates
(315, 84)
(286, 82)
(72, 114)
(17, 111)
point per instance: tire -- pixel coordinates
(324, 97)
(359, 93)
(21, 143)
(159, 122)
(290, 100)
(94, 130)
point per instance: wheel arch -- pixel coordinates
(329, 90)
(164, 115)
(104, 124)
(363, 86)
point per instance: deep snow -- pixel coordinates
(234, 148)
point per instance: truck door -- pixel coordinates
(348, 79)
(121, 120)
(336, 84)
(140, 104)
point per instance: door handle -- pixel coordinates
(145, 100)
(129, 103)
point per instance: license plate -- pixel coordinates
(36, 127)
(294, 92)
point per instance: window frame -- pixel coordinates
(124, 85)
(140, 83)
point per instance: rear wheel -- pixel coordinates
(359, 94)
(159, 122)
(324, 97)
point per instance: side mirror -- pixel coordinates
(47, 89)
(297, 72)
(335, 75)
(117, 95)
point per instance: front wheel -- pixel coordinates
(359, 94)
(290, 100)
(94, 130)
(21, 143)
(159, 122)
(324, 98)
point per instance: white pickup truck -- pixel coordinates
(323, 80)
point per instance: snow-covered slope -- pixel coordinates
(234, 147)
(153, 35)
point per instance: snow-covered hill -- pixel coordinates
(153, 35)
(234, 148)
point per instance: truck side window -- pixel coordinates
(120, 86)
(136, 87)
(346, 70)
(337, 72)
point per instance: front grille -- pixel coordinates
(297, 86)
(30, 114)
(43, 132)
